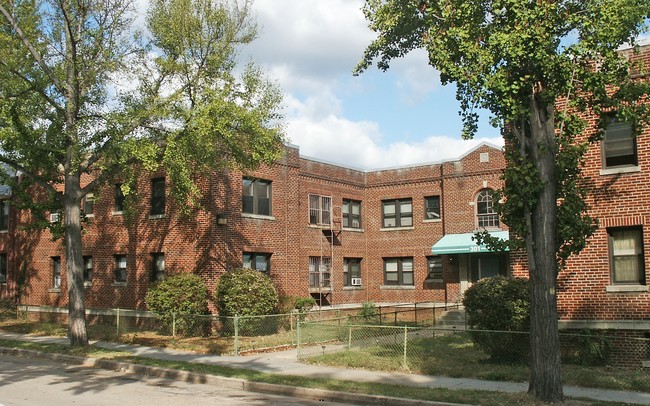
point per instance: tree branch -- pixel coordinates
(37, 56)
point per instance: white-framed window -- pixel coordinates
(434, 263)
(397, 213)
(618, 147)
(320, 210)
(351, 271)
(626, 260)
(120, 268)
(258, 261)
(119, 198)
(157, 196)
(432, 208)
(56, 272)
(3, 268)
(486, 216)
(256, 196)
(157, 266)
(88, 269)
(88, 204)
(351, 211)
(4, 215)
(320, 272)
(398, 271)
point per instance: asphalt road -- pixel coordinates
(26, 381)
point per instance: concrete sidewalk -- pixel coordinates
(286, 363)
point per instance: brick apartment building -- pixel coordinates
(348, 236)
(338, 234)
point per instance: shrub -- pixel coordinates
(304, 304)
(498, 306)
(245, 292)
(368, 311)
(181, 297)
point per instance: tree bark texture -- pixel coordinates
(546, 379)
(74, 262)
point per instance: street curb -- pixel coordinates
(231, 383)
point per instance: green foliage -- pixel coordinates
(304, 304)
(178, 298)
(586, 347)
(368, 311)
(245, 292)
(495, 305)
(83, 93)
(516, 58)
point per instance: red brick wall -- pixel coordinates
(196, 243)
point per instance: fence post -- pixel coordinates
(406, 334)
(434, 315)
(416, 314)
(349, 338)
(395, 318)
(380, 323)
(298, 339)
(236, 335)
(117, 323)
(174, 325)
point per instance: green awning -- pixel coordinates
(463, 243)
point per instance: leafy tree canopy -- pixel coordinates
(83, 91)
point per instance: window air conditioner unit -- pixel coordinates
(54, 217)
(356, 281)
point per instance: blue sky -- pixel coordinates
(377, 120)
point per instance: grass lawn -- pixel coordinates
(433, 394)
(452, 355)
(455, 355)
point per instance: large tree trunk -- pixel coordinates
(74, 262)
(546, 377)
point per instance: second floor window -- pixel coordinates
(432, 208)
(256, 196)
(486, 216)
(119, 198)
(619, 144)
(397, 213)
(257, 261)
(351, 213)
(88, 204)
(4, 215)
(158, 196)
(320, 210)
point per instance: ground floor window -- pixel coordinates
(398, 271)
(257, 261)
(3, 268)
(486, 266)
(435, 268)
(626, 261)
(352, 272)
(320, 272)
(56, 272)
(157, 266)
(120, 268)
(88, 269)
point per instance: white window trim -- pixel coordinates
(620, 169)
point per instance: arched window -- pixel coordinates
(486, 217)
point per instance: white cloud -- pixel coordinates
(359, 144)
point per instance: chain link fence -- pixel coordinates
(589, 358)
